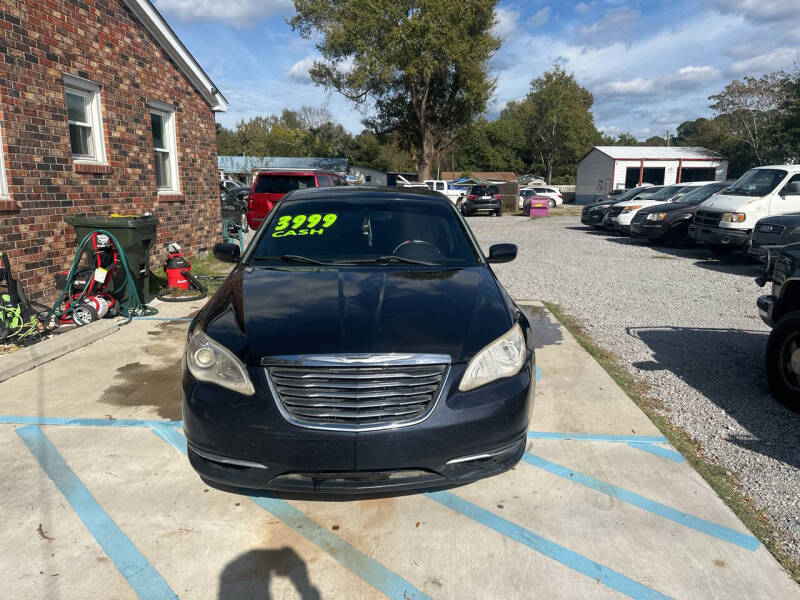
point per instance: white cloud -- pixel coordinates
(299, 70)
(776, 60)
(506, 22)
(637, 86)
(540, 17)
(612, 28)
(239, 13)
(581, 8)
(760, 10)
(683, 80)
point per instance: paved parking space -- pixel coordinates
(600, 506)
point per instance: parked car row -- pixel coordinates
(759, 213)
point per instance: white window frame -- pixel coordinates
(167, 113)
(91, 93)
(4, 195)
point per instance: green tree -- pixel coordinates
(626, 139)
(422, 64)
(559, 124)
(749, 109)
(655, 140)
(227, 141)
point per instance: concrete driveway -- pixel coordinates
(99, 500)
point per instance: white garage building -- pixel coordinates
(606, 168)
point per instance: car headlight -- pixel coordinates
(503, 357)
(656, 216)
(210, 362)
(628, 209)
(733, 217)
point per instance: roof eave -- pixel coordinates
(155, 24)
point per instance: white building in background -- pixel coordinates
(606, 168)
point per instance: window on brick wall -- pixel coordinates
(162, 119)
(85, 120)
(3, 182)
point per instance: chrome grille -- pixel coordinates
(767, 234)
(356, 397)
(707, 218)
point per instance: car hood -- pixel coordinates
(786, 220)
(725, 203)
(669, 207)
(317, 310)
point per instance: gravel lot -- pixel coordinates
(684, 322)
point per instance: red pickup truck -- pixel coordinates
(270, 185)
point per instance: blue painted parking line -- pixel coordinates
(70, 422)
(658, 451)
(141, 575)
(662, 510)
(605, 575)
(371, 571)
(596, 437)
(538, 372)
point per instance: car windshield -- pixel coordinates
(483, 190)
(281, 184)
(701, 193)
(666, 193)
(631, 194)
(341, 231)
(757, 182)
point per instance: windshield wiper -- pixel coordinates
(294, 258)
(391, 258)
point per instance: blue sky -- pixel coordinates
(650, 65)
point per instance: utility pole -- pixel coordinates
(667, 138)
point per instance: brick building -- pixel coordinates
(102, 110)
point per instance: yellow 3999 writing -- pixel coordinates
(315, 224)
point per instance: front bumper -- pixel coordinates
(719, 236)
(766, 307)
(594, 218)
(244, 442)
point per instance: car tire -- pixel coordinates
(499, 212)
(783, 379)
(243, 222)
(552, 203)
(722, 250)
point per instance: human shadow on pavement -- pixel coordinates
(727, 367)
(248, 576)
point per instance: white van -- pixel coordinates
(725, 221)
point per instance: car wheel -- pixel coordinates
(783, 361)
(721, 249)
(552, 203)
(498, 212)
(243, 222)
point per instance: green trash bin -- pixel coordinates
(136, 234)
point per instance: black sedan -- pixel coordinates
(669, 222)
(772, 233)
(362, 343)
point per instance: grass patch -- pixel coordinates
(566, 210)
(210, 271)
(724, 483)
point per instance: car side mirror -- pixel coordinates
(501, 253)
(227, 252)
